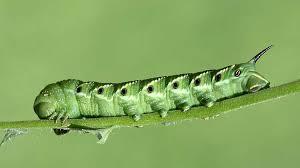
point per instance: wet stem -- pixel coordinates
(173, 116)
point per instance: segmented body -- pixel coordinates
(76, 99)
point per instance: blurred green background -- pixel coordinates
(119, 40)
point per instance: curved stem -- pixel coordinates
(173, 116)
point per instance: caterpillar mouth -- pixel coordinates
(44, 110)
(256, 88)
(256, 82)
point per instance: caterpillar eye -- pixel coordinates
(218, 77)
(150, 89)
(100, 90)
(78, 90)
(197, 82)
(123, 91)
(237, 73)
(175, 85)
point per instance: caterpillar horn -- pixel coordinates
(257, 56)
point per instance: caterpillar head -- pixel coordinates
(44, 109)
(45, 103)
(52, 98)
(254, 81)
(241, 77)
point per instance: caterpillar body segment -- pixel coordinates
(76, 99)
(202, 89)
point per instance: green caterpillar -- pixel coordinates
(77, 99)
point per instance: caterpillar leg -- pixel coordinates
(59, 117)
(207, 101)
(186, 108)
(163, 114)
(52, 116)
(136, 117)
(209, 104)
(63, 117)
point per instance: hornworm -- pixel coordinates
(76, 99)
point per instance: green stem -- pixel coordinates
(173, 116)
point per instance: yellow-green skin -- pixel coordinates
(76, 99)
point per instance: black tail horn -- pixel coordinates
(257, 56)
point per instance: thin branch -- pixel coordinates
(173, 116)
